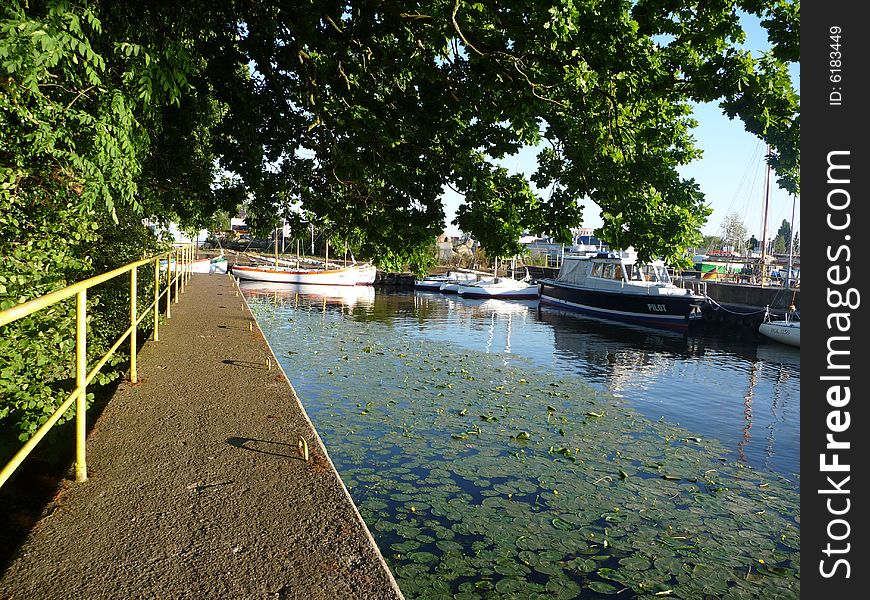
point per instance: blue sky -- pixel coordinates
(731, 173)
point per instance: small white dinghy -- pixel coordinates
(784, 331)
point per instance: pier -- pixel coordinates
(206, 480)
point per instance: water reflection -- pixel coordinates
(744, 394)
(327, 295)
(719, 388)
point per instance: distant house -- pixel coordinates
(178, 236)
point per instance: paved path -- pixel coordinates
(197, 488)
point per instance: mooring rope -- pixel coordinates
(717, 306)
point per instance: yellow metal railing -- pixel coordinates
(177, 265)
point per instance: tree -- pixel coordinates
(733, 232)
(783, 238)
(360, 114)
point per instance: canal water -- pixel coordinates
(500, 449)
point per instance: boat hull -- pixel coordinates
(347, 276)
(433, 283)
(784, 332)
(514, 295)
(665, 311)
(527, 292)
(428, 286)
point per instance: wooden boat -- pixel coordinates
(352, 275)
(617, 287)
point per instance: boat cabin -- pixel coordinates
(605, 269)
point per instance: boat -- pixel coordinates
(618, 287)
(503, 287)
(784, 331)
(362, 274)
(452, 287)
(433, 283)
(719, 265)
(217, 264)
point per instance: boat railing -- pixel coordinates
(178, 270)
(696, 286)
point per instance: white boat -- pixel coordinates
(202, 265)
(433, 282)
(452, 287)
(784, 331)
(352, 275)
(503, 287)
(616, 286)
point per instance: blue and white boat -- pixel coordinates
(615, 286)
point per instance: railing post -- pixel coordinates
(133, 318)
(183, 272)
(169, 285)
(81, 376)
(177, 273)
(156, 298)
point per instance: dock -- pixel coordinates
(199, 486)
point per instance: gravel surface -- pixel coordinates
(197, 487)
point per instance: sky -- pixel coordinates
(731, 173)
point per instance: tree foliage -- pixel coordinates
(358, 115)
(361, 113)
(734, 232)
(783, 237)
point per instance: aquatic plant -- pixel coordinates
(485, 480)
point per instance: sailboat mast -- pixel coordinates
(276, 247)
(764, 221)
(790, 245)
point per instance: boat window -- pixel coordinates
(617, 272)
(655, 273)
(607, 272)
(635, 272)
(598, 270)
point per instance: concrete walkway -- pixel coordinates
(197, 486)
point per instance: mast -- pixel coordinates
(790, 245)
(276, 247)
(764, 220)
